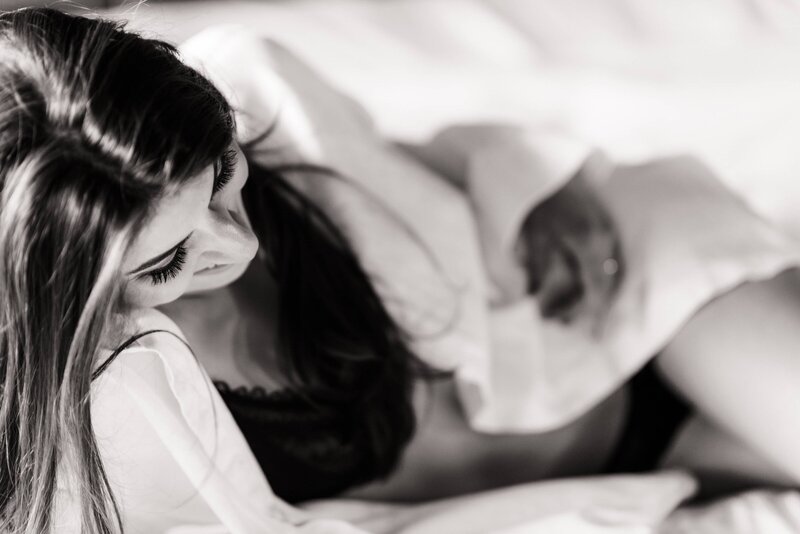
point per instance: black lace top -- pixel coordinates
(305, 451)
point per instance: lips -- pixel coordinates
(214, 267)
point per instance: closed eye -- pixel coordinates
(170, 270)
(225, 170)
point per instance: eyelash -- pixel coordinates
(171, 270)
(226, 169)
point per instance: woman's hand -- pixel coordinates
(571, 250)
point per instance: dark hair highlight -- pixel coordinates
(96, 124)
(337, 343)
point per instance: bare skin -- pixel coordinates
(200, 236)
(446, 457)
(736, 362)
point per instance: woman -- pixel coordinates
(124, 188)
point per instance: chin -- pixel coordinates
(204, 282)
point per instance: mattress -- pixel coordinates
(718, 79)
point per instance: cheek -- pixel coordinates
(144, 294)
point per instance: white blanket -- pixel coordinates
(717, 78)
(419, 65)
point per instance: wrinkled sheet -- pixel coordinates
(716, 78)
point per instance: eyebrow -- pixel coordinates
(161, 257)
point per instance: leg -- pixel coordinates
(738, 362)
(722, 463)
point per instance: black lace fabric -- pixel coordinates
(306, 451)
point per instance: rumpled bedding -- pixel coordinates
(717, 78)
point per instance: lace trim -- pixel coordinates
(280, 407)
(251, 393)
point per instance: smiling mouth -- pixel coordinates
(213, 268)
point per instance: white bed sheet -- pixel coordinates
(716, 78)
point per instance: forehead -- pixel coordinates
(174, 217)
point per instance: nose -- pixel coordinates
(227, 238)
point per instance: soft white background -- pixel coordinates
(719, 78)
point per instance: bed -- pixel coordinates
(715, 78)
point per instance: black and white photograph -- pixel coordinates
(399, 267)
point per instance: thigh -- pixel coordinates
(738, 362)
(722, 463)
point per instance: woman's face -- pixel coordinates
(199, 238)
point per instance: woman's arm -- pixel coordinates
(285, 110)
(534, 194)
(614, 504)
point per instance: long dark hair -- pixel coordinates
(96, 124)
(337, 343)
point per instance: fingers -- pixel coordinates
(617, 269)
(600, 270)
(610, 275)
(536, 253)
(573, 255)
(562, 290)
(641, 499)
(614, 270)
(553, 271)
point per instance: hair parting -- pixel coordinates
(96, 124)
